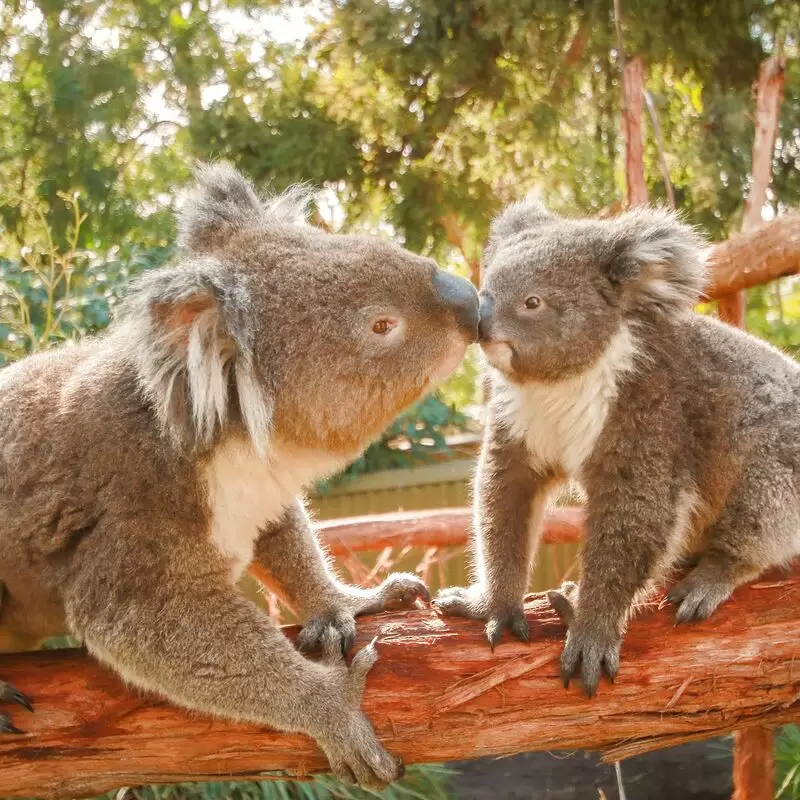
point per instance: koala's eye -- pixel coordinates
(383, 326)
(532, 302)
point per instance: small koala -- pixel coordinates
(683, 433)
(143, 470)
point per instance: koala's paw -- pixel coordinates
(336, 624)
(593, 650)
(8, 694)
(347, 737)
(469, 602)
(563, 601)
(698, 596)
(399, 590)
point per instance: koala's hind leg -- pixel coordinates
(757, 529)
(297, 569)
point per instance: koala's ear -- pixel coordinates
(223, 202)
(524, 216)
(660, 259)
(193, 347)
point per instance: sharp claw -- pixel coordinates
(21, 699)
(7, 726)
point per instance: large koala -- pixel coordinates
(143, 470)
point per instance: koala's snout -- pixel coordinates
(485, 311)
(460, 296)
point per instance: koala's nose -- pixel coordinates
(486, 310)
(460, 296)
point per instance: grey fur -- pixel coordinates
(223, 202)
(141, 471)
(683, 432)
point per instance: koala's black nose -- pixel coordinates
(460, 296)
(485, 325)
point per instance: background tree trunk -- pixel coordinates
(768, 91)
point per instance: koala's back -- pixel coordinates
(716, 397)
(76, 451)
(756, 383)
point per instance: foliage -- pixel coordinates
(787, 761)
(49, 295)
(428, 781)
(773, 312)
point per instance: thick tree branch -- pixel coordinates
(763, 254)
(437, 694)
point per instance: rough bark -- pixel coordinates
(437, 694)
(632, 91)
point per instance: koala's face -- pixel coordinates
(556, 291)
(350, 330)
(548, 309)
(298, 336)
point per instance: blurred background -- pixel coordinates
(416, 120)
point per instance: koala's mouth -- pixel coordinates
(454, 356)
(498, 353)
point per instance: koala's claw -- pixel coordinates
(594, 652)
(6, 725)
(513, 619)
(457, 601)
(697, 600)
(340, 624)
(460, 601)
(354, 752)
(399, 590)
(8, 694)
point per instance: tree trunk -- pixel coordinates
(768, 91)
(573, 55)
(437, 694)
(632, 91)
(754, 764)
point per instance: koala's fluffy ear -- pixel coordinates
(223, 202)
(660, 258)
(193, 347)
(516, 218)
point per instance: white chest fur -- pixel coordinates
(561, 422)
(245, 492)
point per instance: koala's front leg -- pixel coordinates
(627, 531)
(510, 502)
(187, 634)
(299, 572)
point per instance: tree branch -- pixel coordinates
(437, 694)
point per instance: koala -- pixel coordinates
(683, 433)
(142, 471)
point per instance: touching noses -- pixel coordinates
(460, 296)
(485, 325)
